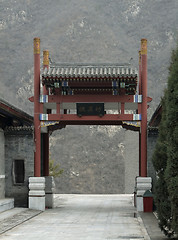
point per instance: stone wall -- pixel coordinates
(2, 165)
(131, 160)
(18, 146)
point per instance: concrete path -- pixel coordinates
(14, 217)
(83, 217)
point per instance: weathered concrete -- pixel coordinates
(15, 217)
(91, 217)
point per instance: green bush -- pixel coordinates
(54, 169)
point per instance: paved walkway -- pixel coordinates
(90, 217)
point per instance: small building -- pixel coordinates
(16, 155)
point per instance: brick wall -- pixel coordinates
(131, 159)
(18, 145)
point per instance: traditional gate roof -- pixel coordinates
(90, 78)
(89, 70)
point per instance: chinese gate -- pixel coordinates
(84, 94)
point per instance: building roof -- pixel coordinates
(89, 70)
(156, 117)
(75, 79)
(12, 116)
(153, 124)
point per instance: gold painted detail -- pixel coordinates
(143, 46)
(36, 45)
(132, 123)
(48, 123)
(46, 58)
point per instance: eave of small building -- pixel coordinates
(156, 117)
(12, 116)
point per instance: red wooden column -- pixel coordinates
(144, 108)
(45, 135)
(46, 153)
(140, 93)
(37, 127)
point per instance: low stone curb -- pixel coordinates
(145, 233)
(11, 222)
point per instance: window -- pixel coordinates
(18, 171)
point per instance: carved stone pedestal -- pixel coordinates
(142, 185)
(37, 193)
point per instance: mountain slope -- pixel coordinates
(85, 31)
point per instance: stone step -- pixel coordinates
(6, 204)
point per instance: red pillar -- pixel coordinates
(140, 93)
(144, 108)
(37, 127)
(45, 135)
(46, 153)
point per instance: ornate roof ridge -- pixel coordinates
(79, 64)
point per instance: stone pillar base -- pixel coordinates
(139, 203)
(142, 185)
(37, 203)
(49, 190)
(49, 201)
(37, 193)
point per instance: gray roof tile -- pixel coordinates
(87, 71)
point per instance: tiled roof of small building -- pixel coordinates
(12, 116)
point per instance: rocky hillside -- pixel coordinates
(85, 31)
